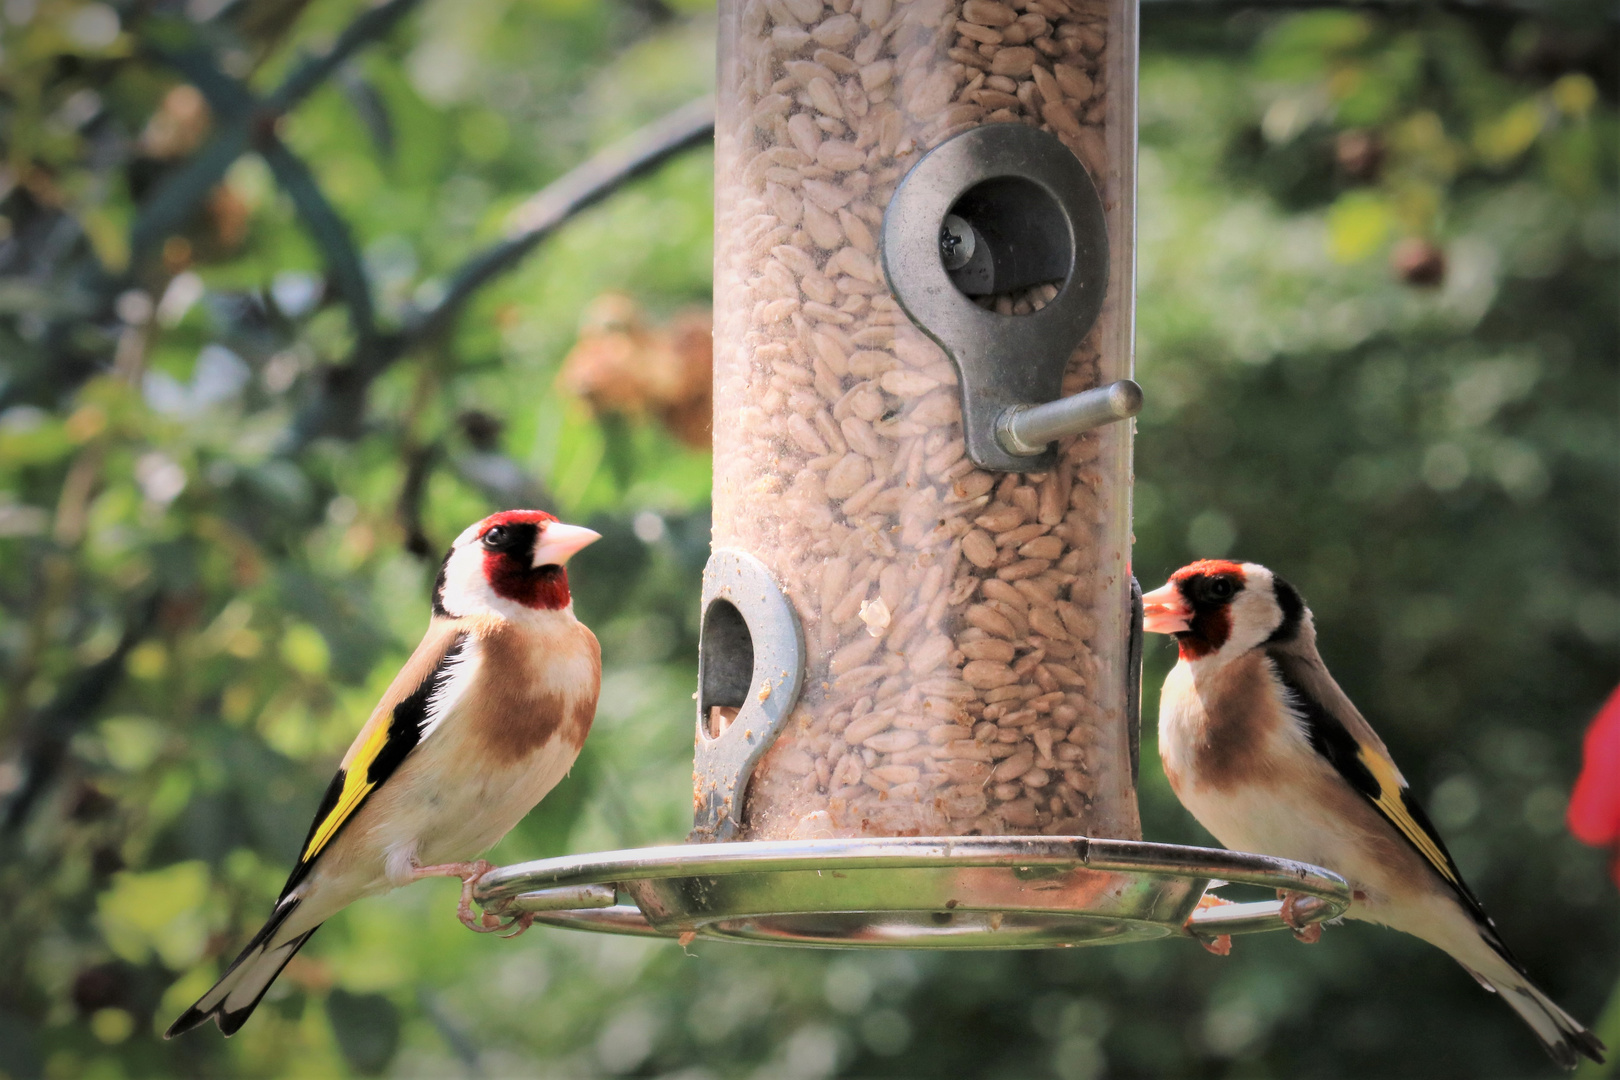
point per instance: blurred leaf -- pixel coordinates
(1359, 223)
(157, 911)
(367, 1027)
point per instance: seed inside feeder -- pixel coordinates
(965, 631)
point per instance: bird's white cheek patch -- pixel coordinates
(466, 592)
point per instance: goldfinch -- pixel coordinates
(485, 717)
(1264, 749)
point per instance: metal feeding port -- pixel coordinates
(919, 672)
(750, 666)
(990, 211)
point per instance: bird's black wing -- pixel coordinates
(1366, 766)
(381, 747)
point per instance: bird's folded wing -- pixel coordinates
(1342, 735)
(412, 706)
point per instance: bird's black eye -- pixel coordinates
(1220, 588)
(496, 538)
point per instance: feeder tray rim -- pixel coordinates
(582, 891)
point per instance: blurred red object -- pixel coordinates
(1594, 808)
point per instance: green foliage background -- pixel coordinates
(204, 589)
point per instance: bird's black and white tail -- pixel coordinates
(1563, 1037)
(232, 1000)
(1487, 959)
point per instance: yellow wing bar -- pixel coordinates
(1392, 804)
(356, 786)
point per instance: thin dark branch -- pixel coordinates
(339, 402)
(370, 26)
(45, 745)
(329, 230)
(580, 188)
(246, 121)
(419, 463)
(230, 99)
(239, 116)
(178, 198)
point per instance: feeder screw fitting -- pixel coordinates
(1026, 430)
(957, 242)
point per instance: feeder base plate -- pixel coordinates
(969, 892)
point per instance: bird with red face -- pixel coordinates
(482, 721)
(1264, 749)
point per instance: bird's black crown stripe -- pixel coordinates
(1293, 611)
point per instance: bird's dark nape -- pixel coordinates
(1293, 611)
(438, 585)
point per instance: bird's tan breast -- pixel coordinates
(1220, 729)
(534, 686)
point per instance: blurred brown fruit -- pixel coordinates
(621, 366)
(1360, 153)
(1418, 261)
(179, 125)
(229, 215)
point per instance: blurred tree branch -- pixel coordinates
(249, 123)
(44, 745)
(339, 404)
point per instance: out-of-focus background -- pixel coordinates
(254, 376)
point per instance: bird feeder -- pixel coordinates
(918, 702)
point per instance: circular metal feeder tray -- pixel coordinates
(967, 892)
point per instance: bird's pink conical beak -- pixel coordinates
(559, 543)
(1166, 611)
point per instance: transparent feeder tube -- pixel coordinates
(966, 631)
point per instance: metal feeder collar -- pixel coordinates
(990, 210)
(976, 892)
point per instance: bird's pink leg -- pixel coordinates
(469, 873)
(1221, 944)
(522, 920)
(1309, 933)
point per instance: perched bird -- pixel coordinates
(1270, 756)
(486, 716)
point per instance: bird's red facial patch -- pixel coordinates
(1210, 568)
(514, 517)
(545, 588)
(1209, 586)
(509, 540)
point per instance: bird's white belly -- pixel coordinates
(460, 822)
(1256, 820)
